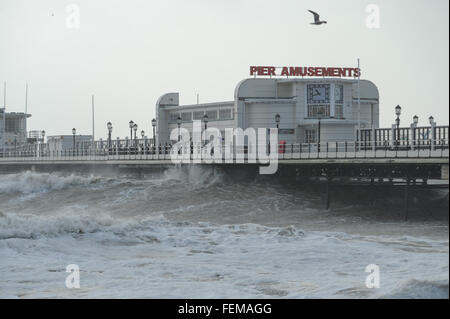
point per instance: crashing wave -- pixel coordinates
(31, 183)
(33, 226)
(420, 289)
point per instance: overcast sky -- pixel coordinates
(128, 53)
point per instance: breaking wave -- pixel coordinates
(30, 183)
(195, 175)
(420, 289)
(34, 227)
(195, 232)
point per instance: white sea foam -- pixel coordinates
(34, 226)
(195, 175)
(155, 257)
(420, 289)
(29, 182)
(190, 233)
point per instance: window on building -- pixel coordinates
(311, 135)
(198, 115)
(319, 110)
(225, 114)
(339, 94)
(13, 125)
(212, 115)
(173, 117)
(186, 116)
(339, 111)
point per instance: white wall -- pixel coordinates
(336, 133)
(262, 115)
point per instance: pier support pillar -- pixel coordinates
(328, 197)
(372, 192)
(406, 199)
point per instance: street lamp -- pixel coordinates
(205, 120)
(154, 135)
(131, 124)
(319, 128)
(109, 126)
(277, 120)
(135, 127)
(43, 136)
(179, 124)
(433, 130)
(415, 122)
(143, 141)
(398, 111)
(74, 131)
(154, 127)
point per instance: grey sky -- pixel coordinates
(128, 53)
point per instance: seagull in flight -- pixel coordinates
(317, 20)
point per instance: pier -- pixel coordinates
(408, 164)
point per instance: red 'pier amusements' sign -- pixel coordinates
(304, 71)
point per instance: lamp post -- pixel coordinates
(74, 131)
(143, 142)
(43, 136)
(109, 126)
(178, 124)
(398, 111)
(433, 130)
(277, 120)
(415, 122)
(154, 127)
(131, 124)
(205, 120)
(319, 127)
(135, 127)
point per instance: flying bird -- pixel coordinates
(317, 20)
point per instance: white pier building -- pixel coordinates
(311, 109)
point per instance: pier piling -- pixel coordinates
(406, 199)
(328, 193)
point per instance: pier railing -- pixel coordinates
(403, 136)
(140, 150)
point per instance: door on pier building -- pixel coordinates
(310, 135)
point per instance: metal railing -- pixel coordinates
(403, 136)
(139, 150)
